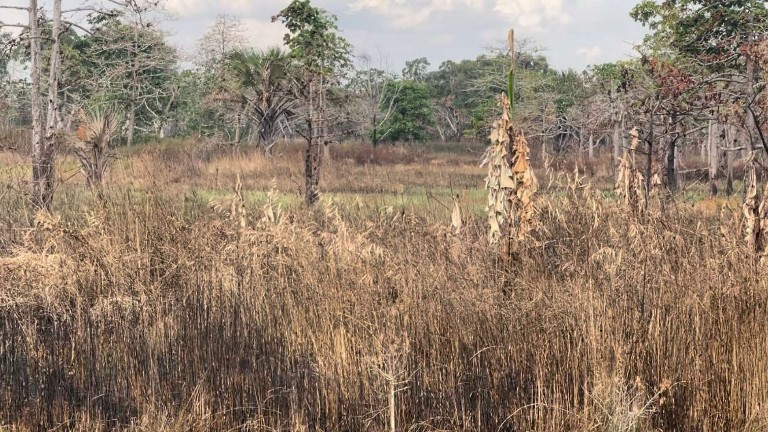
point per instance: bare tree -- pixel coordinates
(372, 103)
(42, 152)
(223, 37)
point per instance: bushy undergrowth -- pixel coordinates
(147, 312)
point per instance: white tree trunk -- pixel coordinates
(53, 115)
(42, 177)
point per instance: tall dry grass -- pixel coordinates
(149, 312)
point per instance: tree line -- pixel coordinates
(697, 84)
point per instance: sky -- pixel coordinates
(572, 33)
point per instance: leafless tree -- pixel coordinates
(42, 150)
(225, 35)
(372, 102)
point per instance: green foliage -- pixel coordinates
(416, 70)
(191, 114)
(5, 55)
(262, 85)
(570, 91)
(313, 38)
(413, 111)
(472, 87)
(713, 28)
(132, 66)
(612, 77)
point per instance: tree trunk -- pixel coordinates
(375, 137)
(730, 137)
(750, 125)
(238, 126)
(616, 141)
(131, 125)
(42, 164)
(314, 149)
(323, 123)
(713, 158)
(268, 149)
(52, 116)
(672, 156)
(649, 160)
(591, 148)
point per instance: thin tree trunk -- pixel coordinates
(324, 141)
(617, 143)
(134, 88)
(713, 158)
(649, 160)
(672, 156)
(268, 149)
(131, 125)
(41, 166)
(730, 138)
(238, 125)
(375, 137)
(591, 148)
(52, 116)
(750, 120)
(314, 150)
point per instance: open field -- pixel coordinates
(167, 307)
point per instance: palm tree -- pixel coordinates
(262, 86)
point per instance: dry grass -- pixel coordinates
(152, 311)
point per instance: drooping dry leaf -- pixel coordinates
(456, 222)
(511, 183)
(750, 209)
(630, 183)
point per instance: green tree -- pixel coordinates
(711, 43)
(132, 66)
(416, 70)
(717, 29)
(412, 113)
(190, 114)
(323, 56)
(262, 81)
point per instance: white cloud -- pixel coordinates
(198, 8)
(443, 38)
(264, 34)
(531, 15)
(590, 54)
(407, 14)
(186, 8)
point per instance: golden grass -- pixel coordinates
(151, 311)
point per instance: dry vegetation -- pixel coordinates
(175, 304)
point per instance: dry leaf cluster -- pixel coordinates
(511, 182)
